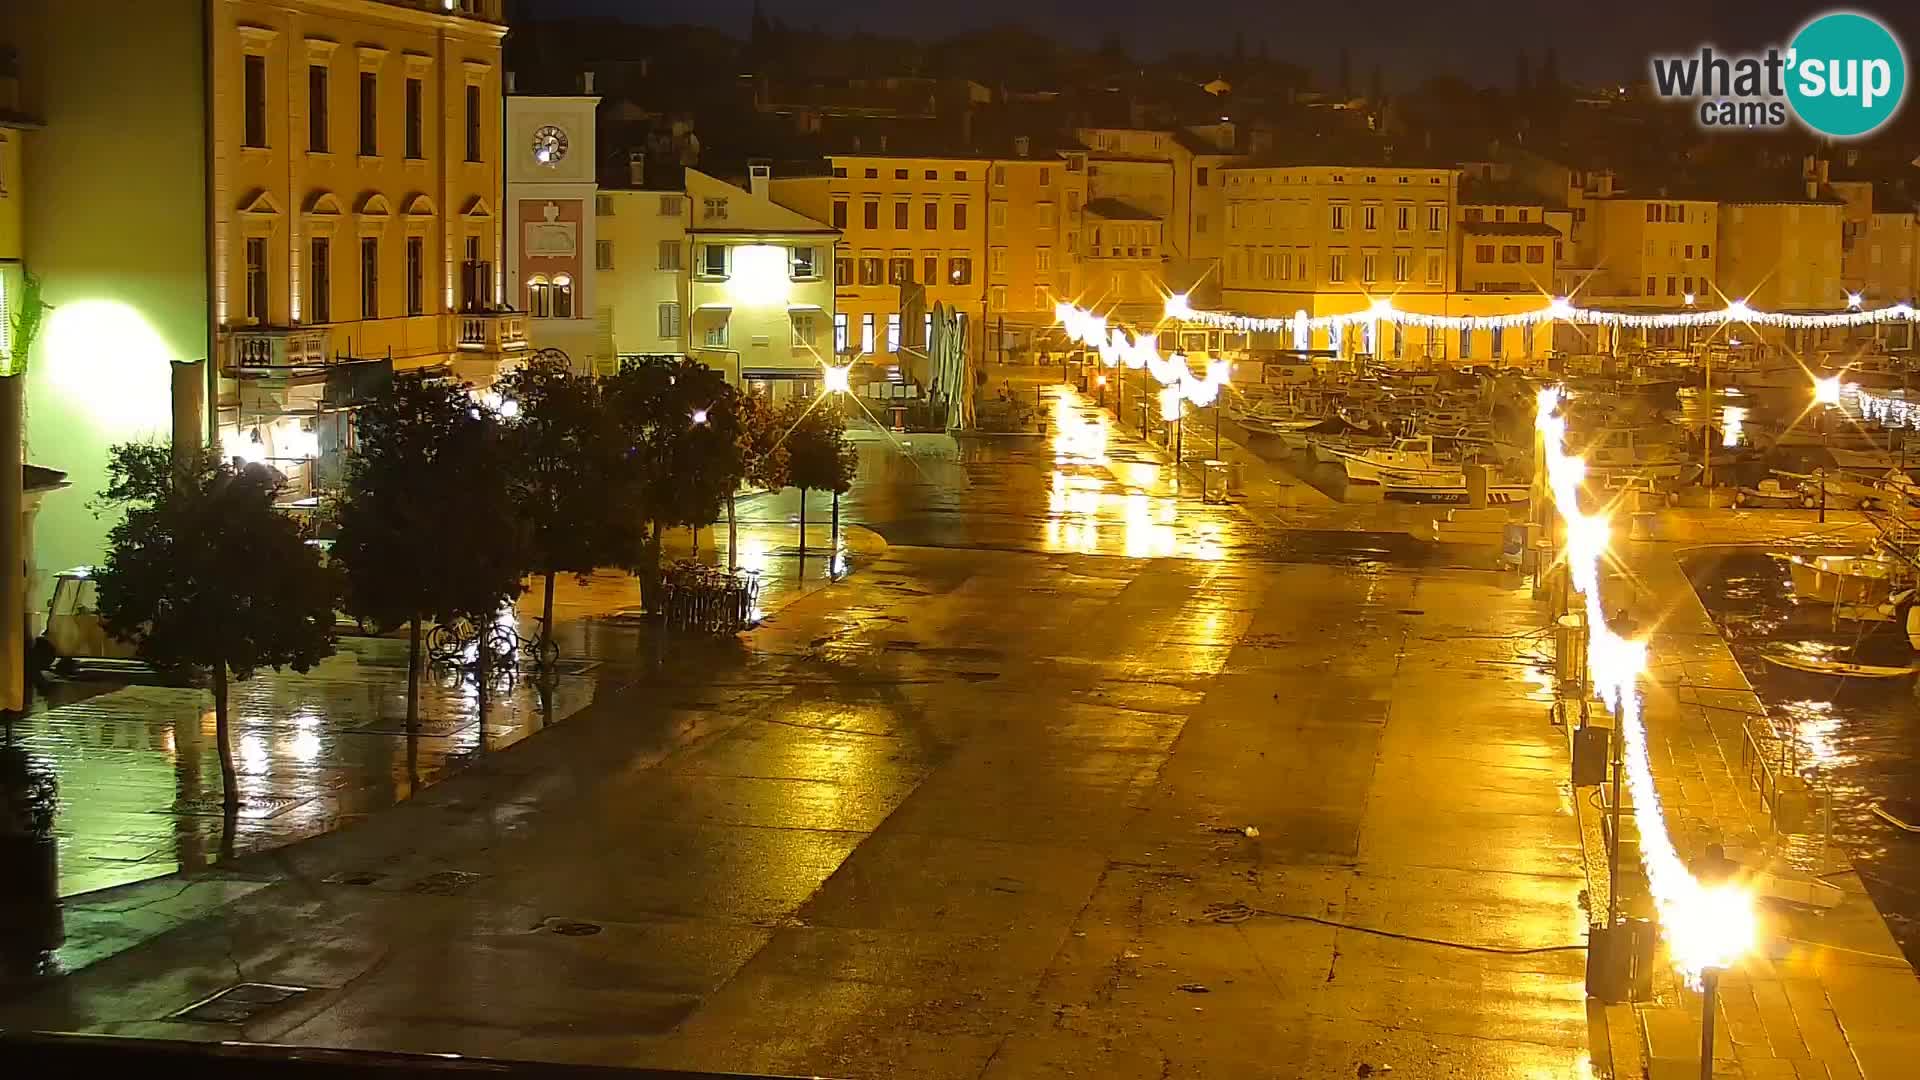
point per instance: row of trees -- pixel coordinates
(449, 504)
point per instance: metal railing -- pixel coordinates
(1774, 769)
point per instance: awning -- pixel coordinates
(713, 307)
(780, 373)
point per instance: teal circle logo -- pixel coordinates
(1846, 74)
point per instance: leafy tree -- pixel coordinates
(561, 445)
(204, 572)
(820, 459)
(679, 452)
(764, 461)
(427, 525)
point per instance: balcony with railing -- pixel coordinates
(492, 332)
(277, 349)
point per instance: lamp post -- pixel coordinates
(1710, 989)
(1826, 394)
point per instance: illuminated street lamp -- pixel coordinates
(699, 416)
(1826, 394)
(837, 380)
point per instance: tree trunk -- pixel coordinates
(733, 536)
(546, 612)
(413, 672)
(803, 534)
(833, 548)
(650, 569)
(229, 782)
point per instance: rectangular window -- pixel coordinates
(997, 298)
(670, 319)
(713, 209)
(1336, 268)
(870, 270)
(716, 334)
(866, 332)
(1536, 253)
(603, 254)
(1689, 251)
(1402, 268)
(900, 214)
(320, 280)
(257, 278)
(803, 329)
(416, 119)
(1466, 343)
(1339, 212)
(959, 215)
(930, 216)
(317, 108)
(669, 255)
(930, 270)
(1046, 216)
(997, 261)
(1435, 268)
(900, 270)
(669, 206)
(1474, 214)
(926, 330)
(1200, 176)
(840, 214)
(1653, 211)
(1704, 253)
(369, 277)
(805, 266)
(369, 114)
(1040, 302)
(1494, 341)
(1483, 253)
(931, 174)
(843, 271)
(960, 271)
(1653, 286)
(1369, 218)
(1046, 177)
(870, 214)
(997, 215)
(603, 206)
(473, 123)
(893, 332)
(1043, 259)
(713, 260)
(840, 332)
(1509, 253)
(1436, 218)
(999, 176)
(1403, 218)
(1499, 213)
(416, 274)
(1673, 285)
(1200, 222)
(1367, 262)
(255, 130)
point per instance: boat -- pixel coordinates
(1770, 494)
(1409, 460)
(1793, 661)
(1857, 580)
(1454, 494)
(1903, 814)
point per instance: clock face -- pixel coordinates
(549, 145)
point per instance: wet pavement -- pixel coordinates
(1076, 777)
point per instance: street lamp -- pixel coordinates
(699, 416)
(1826, 394)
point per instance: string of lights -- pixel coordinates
(1559, 309)
(1142, 350)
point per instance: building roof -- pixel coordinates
(1118, 210)
(1508, 228)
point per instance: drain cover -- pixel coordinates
(574, 929)
(444, 883)
(354, 877)
(239, 1003)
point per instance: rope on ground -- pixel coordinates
(1236, 912)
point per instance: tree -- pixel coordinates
(679, 455)
(1522, 77)
(820, 458)
(560, 444)
(204, 572)
(764, 461)
(1549, 81)
(427, 525)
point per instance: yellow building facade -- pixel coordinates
(1653, 252)
(1785, 256)
(1034, 257)
(642, 280)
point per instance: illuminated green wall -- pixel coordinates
(115, 229)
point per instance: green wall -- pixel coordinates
(115, 229)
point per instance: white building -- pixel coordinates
(642, 273)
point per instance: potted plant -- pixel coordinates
(31, 926)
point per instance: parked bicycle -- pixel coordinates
(707, 599)
(540, 651)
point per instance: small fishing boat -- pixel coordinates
(1769, 494)
(1409, 460)
(1903, 814)
(1861, 580)
(1793, 661)
(1455, 494)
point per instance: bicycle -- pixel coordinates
(447, 642)
(540, 649)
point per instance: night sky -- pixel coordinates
(1597, 40)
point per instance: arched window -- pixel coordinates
(562, 296)
(539, 297)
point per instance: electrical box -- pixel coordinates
(1590, 745)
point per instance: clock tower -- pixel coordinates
(549, 218)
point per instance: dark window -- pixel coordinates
(1510, 253)
(873, 174)
(256, 90)
(369, 114)
(933, 174)
(1653, 211)
(317, 108)
(1200, 176)
(930, 270)
(369, 277)
(416, 145)
(932, 217)
(257, 278)
(900, 215)
(473, 123)
(899, 174)
(416, 275)
(959, 215)
(900, 271)
(840, 172)
(843, 271)
(869, 270)
(839, 215)
(960, 271)
(320, 281)
(870, 215)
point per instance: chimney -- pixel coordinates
(1813, 189)
(1021, 145)
(637, 168)
(759, 180)
(586, 82)
(510, 82)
